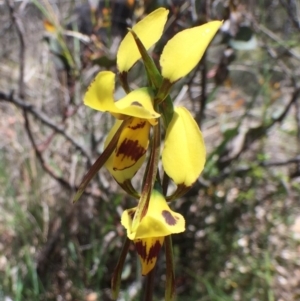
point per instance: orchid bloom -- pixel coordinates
(184, 142)
(183, 151)
(137, 105)
(137, 108)
(149, 235)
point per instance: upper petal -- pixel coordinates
(184, 153)
(149, 30)
(183, 52)
(99, 95)
(138, 103)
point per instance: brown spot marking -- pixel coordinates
(135, 103)
(153, 252)
(140, 125)
(131, 149)
(169, 218)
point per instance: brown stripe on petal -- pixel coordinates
(130, 149)
(135, 103)
(154, 250)
(169, 218)
(141, 248)
(139, 125)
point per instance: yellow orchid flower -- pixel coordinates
(137, 108)
(179, 56)
(158, 222)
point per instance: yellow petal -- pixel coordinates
(127, 217)
(137, 103)
(183, 52)
(148, 250)
(149, 30)
(159, 220)
(120, 175)
(183, 156)
(132, 144)
(99, 95)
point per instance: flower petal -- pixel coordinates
(132, 144)
(159, 220)
(183, 52)
(137, 103)
(184, 153)
(148, 250)
(99, 95)
(149, 31)
(120, 175)
(127, 218)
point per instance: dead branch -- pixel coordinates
(21, 93)
(291, 9)
(20, 103)
(253, 134)
(242, 171)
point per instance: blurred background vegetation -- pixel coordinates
(243, 215)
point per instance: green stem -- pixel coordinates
(154, 77)
(149, 286)
(151, 172)
(153, 161)
(163, 91)
(116, 278)
(179, 192)
(170, 274)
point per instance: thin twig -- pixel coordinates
(244, 170)
(297, 117)
(280, 163)
(45, 120)
(274, 37)
(253, 134)
(291, 11)
(203, 96)
(280, 118)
